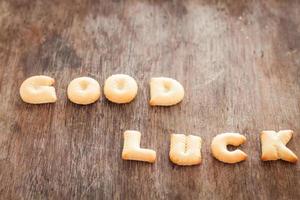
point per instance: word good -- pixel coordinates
(118, 88)
(186, 150)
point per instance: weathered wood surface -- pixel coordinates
(239, 62)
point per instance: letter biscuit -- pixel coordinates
(132, 149)
(220, 151)
(120, 88)
(274, 146)
(38, 90)
(185, 150)
(165, 91)
(83, 90)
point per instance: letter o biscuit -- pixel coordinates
(38, 90)
(165, 91)
(83, 90)
(120, 88)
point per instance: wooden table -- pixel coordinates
(239, 62)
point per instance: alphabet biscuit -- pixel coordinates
(38, 90)
(132, 149)
(185, 150)
(274, 146)
(83, 90)
(220, 151)
(120, 88)
(165, 91)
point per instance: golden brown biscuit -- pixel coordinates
(185, 150)
(38, 90)
(274, 146)
(220, 151)
(120, 88)
(132, 149)
(165, 91)
(83, 90)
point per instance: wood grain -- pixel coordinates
(239, 62)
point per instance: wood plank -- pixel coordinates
(239, 62)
